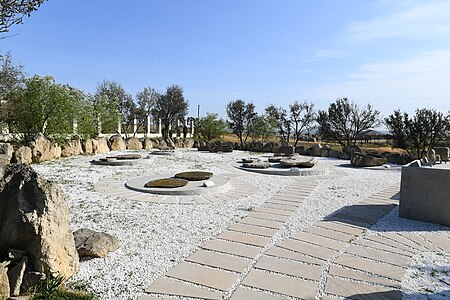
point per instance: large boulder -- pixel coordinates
(87, 146)
(23, 155)
(117, 143)
(367, 160)
(34, 218)
(43, 150)
(333, 153)
(71, 148)
(316, 150)
(7, 150)
(4, 281)
(100, 145)
(94, 244)
(268, 147)
(350, 149)
(133, 143)
(147, 144)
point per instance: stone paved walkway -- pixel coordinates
(334, 257)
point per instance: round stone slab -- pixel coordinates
(277, 169)
(110, 161)
(163, 152)
(192, 188)
(194, 175)
(168, 183)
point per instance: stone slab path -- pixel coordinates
(334, 257)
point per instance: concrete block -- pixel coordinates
(425, 195)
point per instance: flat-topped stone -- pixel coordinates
(167, 286)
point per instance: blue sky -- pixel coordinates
(392, 54)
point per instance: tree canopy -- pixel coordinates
(344, 121)
(210, 127)
(13, 12)
(241, 116)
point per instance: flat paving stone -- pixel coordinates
(232, 248)
(298, 269)
(290, 209)
(248, 294)
(147, 297)
(439, 241)
(360, 291)
(281, 284)
(311, 250)
(355, 218)
(172, 287)
(319, 240)
(348, 220)
(249, 239)
(268, 216)
(369, 266)
(391, 258)
(293, 205)
(388, 249)
(382, 240)
(268, 232)
(360, 276)
(262, 222)
(342, 227)
(219, 260)
(403, 240)
(212, 278)
(296, 201)
(420, 240)
(274, 211)
(281, 252)
(332, 234)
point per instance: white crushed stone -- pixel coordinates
(155, 237)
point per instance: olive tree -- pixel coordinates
(210, 127)
(146, 100)
(263, 127)
(281, 121)
(170, 108)
(13, 12)
(345, 120)
(241, 116)
(419, 133)
(302, 115)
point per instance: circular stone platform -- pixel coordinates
(162, 152)
(117, 162)
(277, 169)
(192, 188)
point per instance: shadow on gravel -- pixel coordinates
(394, 295)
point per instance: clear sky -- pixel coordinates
(390, 53)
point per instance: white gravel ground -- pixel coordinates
(155, 237)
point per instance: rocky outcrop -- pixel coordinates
(147, 144)
(23, 155)
(44, 150)
(351, 149)
(6, 151)
(134, 143)
(257, 165)
(367, 160)
(299, 162)
(100, 145)
(71, 148)
(34, 218)
(4, 281)
(316, 150)
(94, 244)
(86, 145)
(117, 143)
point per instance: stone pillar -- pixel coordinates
(119, 124)
(99, 126)
(75, 126)
(135, 125)
(159, 127)
(192, 127)
(148, 125)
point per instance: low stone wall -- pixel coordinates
(424, 195)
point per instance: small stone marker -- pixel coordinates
(208, 183)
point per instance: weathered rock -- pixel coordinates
(300, 150)
(366, 160)
(285, 150)
(351, 149)
(4, 281)
(333, 153)
(100, 145)
(195, 144)
(248, 160)
(94, 244)
(274, 159)
(34, 218)
(117, 143)
(299, 162)
(324, 152)
(257, 165)
(23, 155)
(344, 155)
(31, 280)
(71, 148)
(87, 146)
(6, 149)
(268, 147)
(194, 175)
(188, 143)
(316, 150)
(134, 143)
(15, 275)
(43, 149)
(147, 144)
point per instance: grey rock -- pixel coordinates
(71, 148)
(147, 144)
(15, 276)
(100, 145)
(94, 244)
(34, 217)
(324, 152)
(23, 155)
(333, 153)
(6, 149)
(367, 160)
(257, 165)
(87, 146)
(316, 150)
(117, 143)
(351, 149)
(299, 162)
